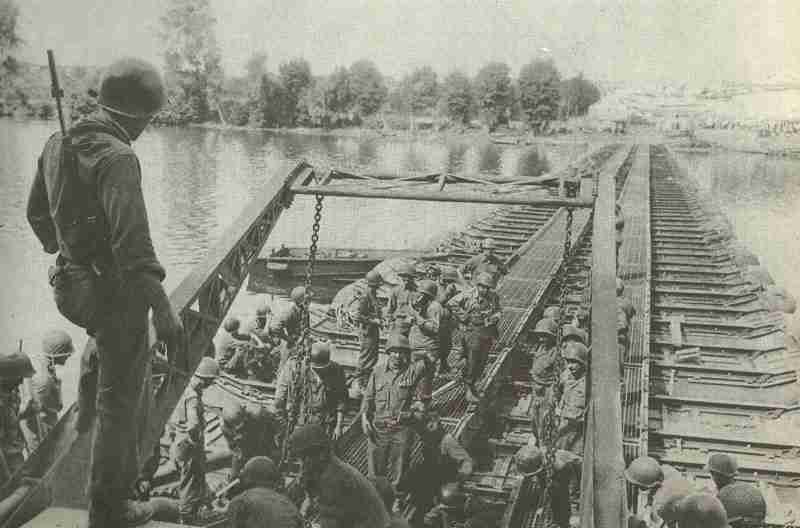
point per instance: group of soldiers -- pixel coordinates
(674, 501)
(24, 426)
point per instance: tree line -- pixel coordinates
(358, 95)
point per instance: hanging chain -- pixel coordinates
(300, 373)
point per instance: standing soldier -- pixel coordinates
(544, 357)
(723, 468)
(288, 325)
(479, 311)
(259, 505)
(13, 369)
(346, 499)
(486, 262)
(369, 321)
(189, 450)
(571, 410)
(448, 288)
(250, 431)
(325, 390)
(426, 316)
(45, 386)
(86, 203)
(401, 298)
(386, 411)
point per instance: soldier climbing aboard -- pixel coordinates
(369, 320)
(250, 431)
(86, 204)
(288, 324)
(45, 387)
(571, 410)
(14, 368)
(478, 310)
(232, 349)
(386, 411)
(189, 447)
(324, 392)
(343, 496)
(425, 315)
(485, 262)
(444, 460)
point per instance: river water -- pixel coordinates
(196, 182)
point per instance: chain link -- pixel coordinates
(300, 386)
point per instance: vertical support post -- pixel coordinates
(602, 486)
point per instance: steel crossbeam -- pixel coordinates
(436, 188)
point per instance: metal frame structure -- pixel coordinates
(205, 295)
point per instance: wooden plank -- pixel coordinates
(603, 489)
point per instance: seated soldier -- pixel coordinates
(232, 348)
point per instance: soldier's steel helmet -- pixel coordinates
(744, 504)
(260, 470)
(576, 352)
(233, 413)
(320, 354)
(722, 464)
(644, 472)
(701, 510)
(57, 344)
(15, 365)
(232, 324)
(308, 438)
(485, 279)
(298, 293)
(546, 327)
(374, 278)
(132, 88)
(207, 369)
(428, 287)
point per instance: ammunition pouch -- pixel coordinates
(80, 292)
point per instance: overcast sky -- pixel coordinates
(694, 41)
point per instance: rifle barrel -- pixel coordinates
(56, 91)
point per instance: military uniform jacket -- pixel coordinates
(476, 311)
(255, 435)
(389, 392)
(425, 336)
(573, 397)
(46, 392)
(400, 299)
(326, 393)
(106, 165)
(368, 308)
(543, 365)
(11, 440)
(289, 322)
(483, 262)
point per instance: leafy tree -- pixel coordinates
(577, 95)
(256, 67)
(457, 97)
(539, 92)
(493, 93)
(191, 55)
(367, 87)
(339, 95)
(270, 110)
(9, 40)
(418, 92)
(295, 77)
(312, 106)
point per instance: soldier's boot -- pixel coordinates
(137, 513)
